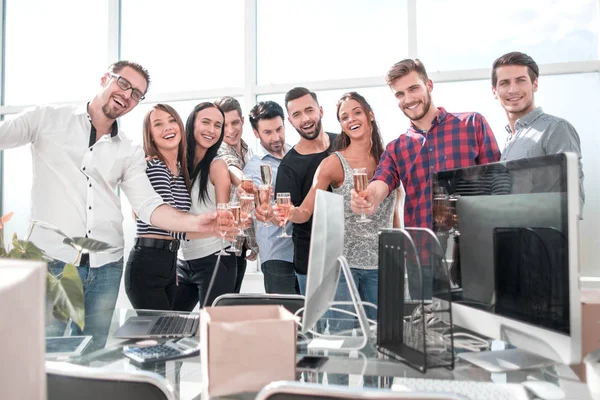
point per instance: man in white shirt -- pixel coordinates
(80, 157)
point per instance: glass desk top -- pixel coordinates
(366, 368)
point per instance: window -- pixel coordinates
(55, 50)
(17, 178)
(466, 34)
(318, 40)
(187, 45)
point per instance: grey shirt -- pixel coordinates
(537, 134)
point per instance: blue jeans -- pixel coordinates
(414, 281)
(100, 291)
(301, 283)
(366, 281)
(279, 277)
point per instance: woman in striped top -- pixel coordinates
(150, 275)
(210, 184)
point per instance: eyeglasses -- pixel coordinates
(124, 84)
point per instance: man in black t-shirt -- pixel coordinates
(298, 167)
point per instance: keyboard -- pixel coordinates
(470, 389)
(170, 350)
(172, 325)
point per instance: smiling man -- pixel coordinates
(80, 158)
(531, 132)
(298, 167)
(436, 140)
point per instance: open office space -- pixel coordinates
(432, 162)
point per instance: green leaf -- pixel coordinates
(87, 245)
(25, 250)
(48, 226)
(66, 294)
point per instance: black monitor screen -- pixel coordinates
(507, 226)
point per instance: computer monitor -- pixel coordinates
(22, 343)
(517, 254)
(325, 263)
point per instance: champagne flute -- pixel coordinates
(235, 209)
(283, 206)
(247, 205)
(222, 213)
(264, 198)
(266, 174)
(360, 185)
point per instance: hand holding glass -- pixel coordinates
(223, 215)
(264, 202)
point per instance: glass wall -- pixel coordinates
(198, 50)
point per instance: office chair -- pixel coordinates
(292, 302)
(284, 390)
(68, 381)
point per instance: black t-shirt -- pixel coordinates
(295, 176)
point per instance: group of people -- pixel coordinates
(186, 173)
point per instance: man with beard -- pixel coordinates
(531, 132)
(276, 253)
(298, 167)
(436, 140)
(80, 157)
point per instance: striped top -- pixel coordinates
(173, 192)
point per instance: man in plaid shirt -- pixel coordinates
(436, 140)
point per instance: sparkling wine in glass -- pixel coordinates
(266, 174)
(222, 213)
(235, 209)
(264, 198)
(247, 205)
(283, 206)
(360, 185)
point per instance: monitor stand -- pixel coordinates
(340, 342)
(506, 360)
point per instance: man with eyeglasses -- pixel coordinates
(80, 158)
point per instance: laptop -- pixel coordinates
(164, 326)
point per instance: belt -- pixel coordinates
(164, 244)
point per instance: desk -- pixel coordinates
(367, 368)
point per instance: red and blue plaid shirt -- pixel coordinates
(455, 140)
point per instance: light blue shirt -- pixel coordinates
(270, 246)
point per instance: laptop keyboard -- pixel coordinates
(173, 325)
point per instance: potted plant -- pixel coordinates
(65, 291)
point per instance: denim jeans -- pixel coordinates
(414, 281)
(301, 283)
(366, 282)
(194, 280)
(100, 291)
(279, 277)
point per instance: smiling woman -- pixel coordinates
(210, 186)
(150, 275)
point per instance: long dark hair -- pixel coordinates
(150, 147)
(343, 140)
(202, 169)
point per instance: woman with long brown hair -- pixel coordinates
(151, 271)
(359, 147)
